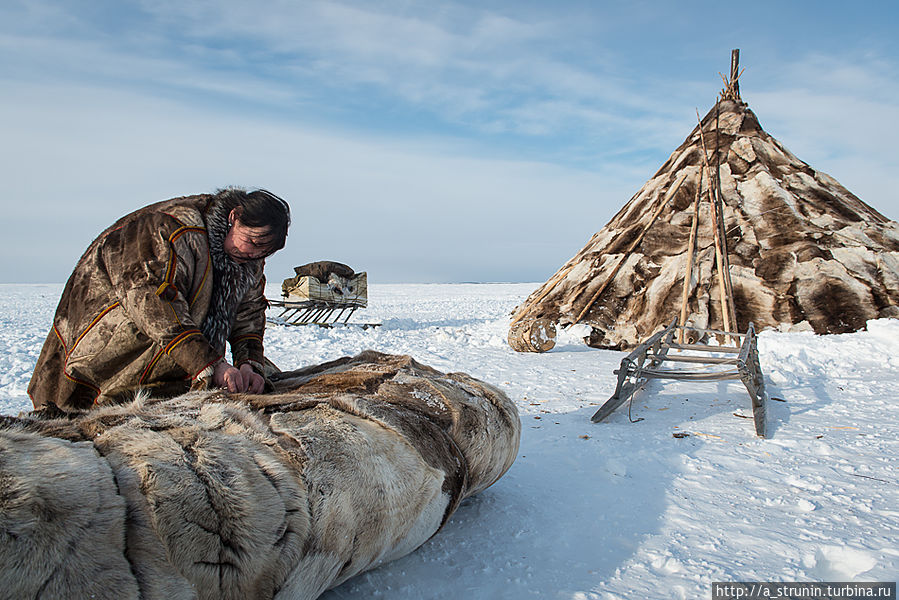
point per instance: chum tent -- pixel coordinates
(797, 249)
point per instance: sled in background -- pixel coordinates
(323, 293)
(740, 361)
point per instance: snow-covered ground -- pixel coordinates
(616, 509)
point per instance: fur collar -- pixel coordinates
(231, 280)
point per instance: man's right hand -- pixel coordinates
(229, 377)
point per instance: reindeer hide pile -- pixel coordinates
(347, 465)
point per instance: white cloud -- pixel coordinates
(472, 105)
(470, 69)
(465, 65)
(840, 115)
(74, 168)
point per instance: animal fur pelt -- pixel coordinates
(348, 465)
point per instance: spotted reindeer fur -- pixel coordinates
(347, 465)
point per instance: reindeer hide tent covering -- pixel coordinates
(347, 465)
(805, 253)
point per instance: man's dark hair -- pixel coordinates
(260, 208)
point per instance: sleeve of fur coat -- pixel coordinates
(249, 326)
(150, 263)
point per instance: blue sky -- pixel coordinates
(419, 141)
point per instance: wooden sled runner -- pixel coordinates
(738, 361)
(316, 312)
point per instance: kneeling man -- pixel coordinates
(155, 297)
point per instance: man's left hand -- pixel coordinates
(254, 381)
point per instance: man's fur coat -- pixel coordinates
(149, 306)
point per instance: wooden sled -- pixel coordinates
(738, 361)
(309, 301)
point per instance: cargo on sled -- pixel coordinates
(323, 293)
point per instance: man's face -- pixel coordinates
(243, 243)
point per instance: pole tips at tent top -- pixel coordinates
(731, 89)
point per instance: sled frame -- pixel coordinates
(737, 361)
(317, 312)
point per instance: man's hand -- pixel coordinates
(233, 379)
(255, 382)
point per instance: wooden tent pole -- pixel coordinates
(735, 73)
(728, 285)
(725, 314)
(668, 195)
(719, 262)
(719, 207)
(688, 277)
(731, 89)
(549, 286)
